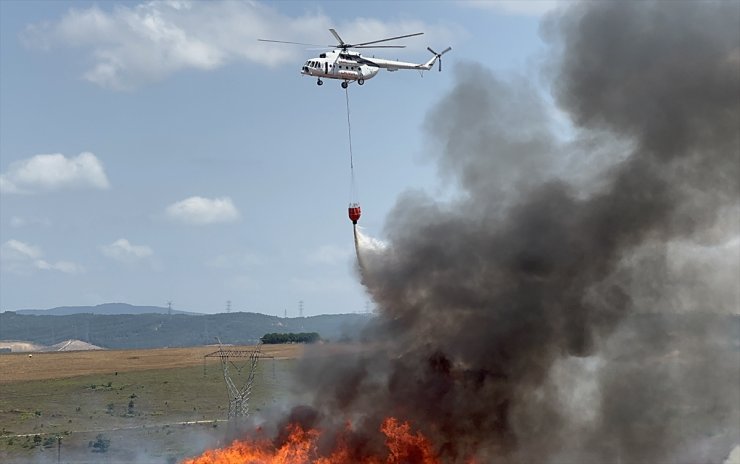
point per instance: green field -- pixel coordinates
(140, 412)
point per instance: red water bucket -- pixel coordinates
(354, 212)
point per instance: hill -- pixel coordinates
(18, 346)
(131, 331)
(14, 346)
(106, 308)
(72, 345)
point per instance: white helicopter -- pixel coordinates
(349, 66)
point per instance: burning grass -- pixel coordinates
(301, 446)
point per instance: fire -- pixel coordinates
(403, 447)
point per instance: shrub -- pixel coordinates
(101, 444)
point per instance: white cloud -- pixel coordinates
(199, 210)
(46, 173)
(22, 258)
(131, 45)
(122, 250)
(20, 250)
(519, 7)
(67, 267)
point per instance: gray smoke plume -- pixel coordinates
(577, 303)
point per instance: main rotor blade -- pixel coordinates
(391, 38)
(440, 53)
(295, 43)
(336, 36)
(379, 46)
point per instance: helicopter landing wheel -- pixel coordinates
(360, 81)
(319, 82)
(344, 84)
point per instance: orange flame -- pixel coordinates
(404, 447)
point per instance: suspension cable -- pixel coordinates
(351, 155)
(349, 130)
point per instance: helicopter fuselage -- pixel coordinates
(349, 66)
(346, 67)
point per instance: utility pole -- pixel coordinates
(228, 306)
(300, 308)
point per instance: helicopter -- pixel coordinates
(348, 66)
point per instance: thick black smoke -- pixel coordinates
(531, 319)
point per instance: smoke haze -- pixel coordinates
(577, 303)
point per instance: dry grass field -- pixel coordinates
(153, 406)
(16, 367)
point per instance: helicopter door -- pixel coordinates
(326, 67)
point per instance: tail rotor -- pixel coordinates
(439, 55)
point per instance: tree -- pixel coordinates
(275, 338)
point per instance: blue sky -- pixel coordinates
(156, 151)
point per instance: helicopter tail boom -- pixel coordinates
(393, 65)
